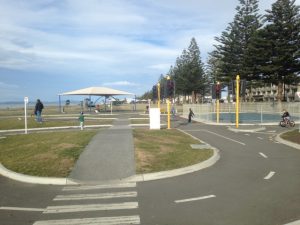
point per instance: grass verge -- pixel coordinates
(19, 123)
(293, 136)
(48, 154)
(160, 150)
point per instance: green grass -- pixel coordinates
(139, 121)
(159, 150)
(53, 154)
(19, 123)
(50, 154)
(293, 136)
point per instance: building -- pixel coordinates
(269, 93)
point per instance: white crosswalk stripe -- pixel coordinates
(104, 186)
(106, 200)
(95, 196)
(90, 207)
(122, 220)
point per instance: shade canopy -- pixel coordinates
(97, 91)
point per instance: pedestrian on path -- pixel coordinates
(38, 110)
(81, 120)
(191, 114)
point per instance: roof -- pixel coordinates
(98, 91)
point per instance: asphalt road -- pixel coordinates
(255, 182)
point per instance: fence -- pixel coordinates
(254, 113)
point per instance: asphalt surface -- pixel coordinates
(255, 182)
(109, 155)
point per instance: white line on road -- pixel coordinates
(105, 186)
(90, 207)
(96, 196)
(22, 209)
(93, 221)
(195, 199)
(263, 155)
(225, 137)
(260, 138)
(247, 134)
(270, 175)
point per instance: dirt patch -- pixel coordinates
(63, 146)
(44, 156)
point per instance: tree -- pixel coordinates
(277, 45)
(234, 41)
(188, 72)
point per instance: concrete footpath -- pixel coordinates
(108, 156)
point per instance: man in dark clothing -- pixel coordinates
(38, 110)
(191, 114)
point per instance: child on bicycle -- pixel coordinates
(285, 115)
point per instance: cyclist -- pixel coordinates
(285, 116)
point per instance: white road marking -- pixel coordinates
(293, 223)
(195, 199)
(22, 209)
(270, 175)
(104, 186)
(263, 155)
(225, 137)
(96, 196)
(260, 138)
(272, 131)
(93, 221)
(90, 207)
(247, 134)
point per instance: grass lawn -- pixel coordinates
(139, 121)
(18, 122)
(53, 154)
(49, 154)
(160, 150)
(293, 136)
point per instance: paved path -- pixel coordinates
(109, 155)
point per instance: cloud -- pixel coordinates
(121, 83)
(8, 86)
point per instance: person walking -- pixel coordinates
(81, 120)
(38, 110)
(191, 114)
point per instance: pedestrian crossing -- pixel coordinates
(109, 204)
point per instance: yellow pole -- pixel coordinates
(169, 117)
(158, 95)
(237, 94)
(218, 110)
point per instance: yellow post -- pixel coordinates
(218, 110)
(237, 102)
(169, 117)
(158, 95)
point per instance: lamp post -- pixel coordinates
(158, 95)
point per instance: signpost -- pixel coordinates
(154, 118)
(26, 100)
(237, 101)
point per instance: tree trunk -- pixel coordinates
(279, 91)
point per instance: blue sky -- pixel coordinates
(52, 46)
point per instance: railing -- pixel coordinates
(258, 112)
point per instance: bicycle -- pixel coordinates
(286, 123)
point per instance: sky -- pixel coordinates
(48, 47)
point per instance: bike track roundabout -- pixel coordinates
(151, 176)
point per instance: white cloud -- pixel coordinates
(120, 83)
(8, 86)
(107, 41)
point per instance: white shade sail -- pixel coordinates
(97, 91)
